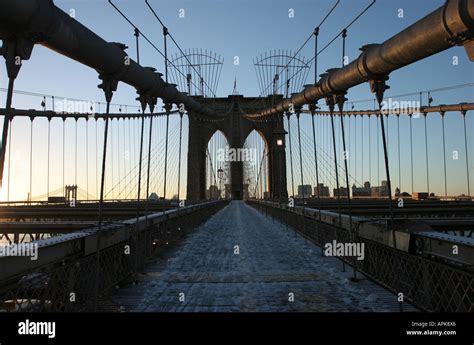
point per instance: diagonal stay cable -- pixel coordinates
(303, 45)
(177, 45)
(146, 38)
(330, 42)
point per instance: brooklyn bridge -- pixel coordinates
(334, 175)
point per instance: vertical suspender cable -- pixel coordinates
(139, 189)
(426, 155)
(125, 156)
(301, 173)
(378, 157)
(179, 154)
(96, 164)
(351, 229)
(112, 158)
(165, 34)
(6, 124)
(31, 159)
(348, 124)
(411, 155)
(148, 180)
(49, 149)
(263, 179)
(75, 152)
(331, 109)
(87, 158)
(379, 88)
(387, 169)
(444, 157)
(101, 203)
(355, 148)
(130, 155)
(370, 153)
(466, 151)
(338, 190)
(317, 182)
(362, 148)
(301, 158)
(118, 157)
(9, 156)
(288, 114)
(64, 152)
(340, 101)
(140, 169)
(399, 156)
(166, 153)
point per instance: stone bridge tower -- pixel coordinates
(236, 128)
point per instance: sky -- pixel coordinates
(243, 29)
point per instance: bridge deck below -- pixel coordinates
(273, 262)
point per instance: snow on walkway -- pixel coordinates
(205, 272)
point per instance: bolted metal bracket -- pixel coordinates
(147, 99)
(378, 86)
(152, 100)
(469, 46)
(313, 107)
(109, 85)
(15, 50)
(330, 102)
(340, 99)
(142, 98)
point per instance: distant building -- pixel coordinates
(304, 191)
(323, 190)
(70, 193)
(419, 196)
(342, 191)
(153, 196)
(362, 191)
(57, 199)
(380, 191)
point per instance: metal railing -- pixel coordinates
(424, 280)
(71, 274)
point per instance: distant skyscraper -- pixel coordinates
(304, 191)
(379, 191)
(323, 190)
(361, 191)
(342, 191)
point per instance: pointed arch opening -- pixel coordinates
(256, 179)
(218, 177)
